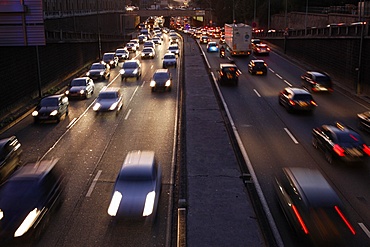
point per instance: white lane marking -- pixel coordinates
(291, 136)
(71, 123)
(279, 76)
(257, 92)
(128, 114)
(288, 83)
(273, 71)
(363, 227)
(151, 67)
(132, 96)
(92, 186)
(142, 84)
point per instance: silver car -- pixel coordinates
(109, 100)
(131, 68)
(137, 188)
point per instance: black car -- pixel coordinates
(228, 74)
(297, 99)
(312, 207)
(364, 120)
(204, 39)
(317, 81)
(257, 67)
(51, 108)
(28, 199)
(261, 49)
(162, 79)
(111, 59)
(82, 87)
(340, 142)
(10, 153)
(99, 71)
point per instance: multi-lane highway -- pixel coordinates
(274, 138)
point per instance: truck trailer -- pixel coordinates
(238, 39)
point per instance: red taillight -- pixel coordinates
(366, 149)
(345, 220)
(291, 102)
(300, 220)
(313, 103)
(339, 150)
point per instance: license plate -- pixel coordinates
(259, 72)
(303, 104)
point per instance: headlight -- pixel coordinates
(149, 203)
(27, 223)
(113, 106)
(121, 71)
(152, 83)
(35, 113)
(101, 73)
(67, 92)
(53, 113)
(168, 83)
(96, 106)
(82, 91)
(111, 62)
(150, 54)
(135, 71)
(88, 73)
(114, 204)
(142, 54)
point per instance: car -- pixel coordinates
(228, 73)
(10, 156)
(111, 59)
(28, 200)
(142, 38)
(174, 39)
(174, 48)
(257, 67)
(157, 40)
(364, 120)
(261, 49)
(338, 141)
(312, 207)
(149, 43)
(212, 46)
(254, 42)
(136, 42)
(297, 99)
(109, 100)
(81, 87)
(162, 79)
(122, 54)
(137, 188)
(222, 39)
(51, 108)
(131, 68)
(204, 39)
(169, 60)
(315, 81)
(99, 71)
(131, 47)
(147, 52)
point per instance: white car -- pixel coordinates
(131, 47)
(148, 52)
(122, 54)
(157, 40)
(136, 42)
(169, 60)
(174, 48)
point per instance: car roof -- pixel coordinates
(297, 90)
(161, 71)
(317, 73)
(53, 96)
(138, 163)
(35, 170)
(109, 53)
(224, 65)
(339, 128)
(5, 140)
(257, 61)
(111, 89)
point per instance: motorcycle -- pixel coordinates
(222, 54)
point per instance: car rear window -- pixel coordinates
(303, 97)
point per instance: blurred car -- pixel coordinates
(99, 71)
(257, 67)
(162, 79)
(364, 120)
(82, 87)
(109, 99)
(228, 73)
(312, 207)
(261, 49)
(212, 47)
(131, 47)
(338, 141)
(157, 40)
(149, 43)
(142, 38)
(222, 39)
(51, 108)
(174, 39)
(169, 60)
(136, 42)
(28, 200)
(131, 68)
(137, 188)
(317, 81)
(111, 59)
(296, 99)
(254, 42)
(148, 52)
(10, 153)
(204, 39)
(174, 48)
(122, 54)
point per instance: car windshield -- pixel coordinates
(173, 48)
(78, 82)
(147, 50)
(121, 51)
(49, 102)
(108, 56)
(108, 95)
(161, 76)
(97, 66)
(169, 56)
(129, 65)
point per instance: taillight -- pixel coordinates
(291, 102)
(366, 149)
(339, 150)
(345, 220)
(300, 220)
(313, 103)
